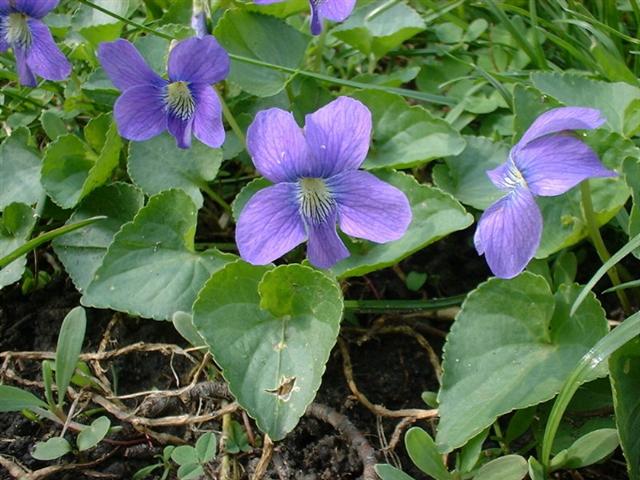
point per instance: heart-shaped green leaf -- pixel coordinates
(81, 252)
(19, 171)
(264, 39)
(624, 369)
(406, 136)
(72, 168)
(271, 330)
(158, 164)
(612, 99)
(380, 26)
(151, 269)
(435, 215)
(512, 345)
(16, 225)
(93, 434)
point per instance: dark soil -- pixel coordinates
(391, 369)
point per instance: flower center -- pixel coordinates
(514, 176)
(179, 100)
(17, 30)
(315, 199)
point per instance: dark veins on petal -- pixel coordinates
(315, 200)
(180, 100)
(16, 31)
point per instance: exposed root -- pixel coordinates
(377, 409)
(19, 473)
(342, 424)
(398, 431)
(15, 470)
(104, 343)
(172, 421)
(165, 348)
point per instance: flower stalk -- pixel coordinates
(599, 245)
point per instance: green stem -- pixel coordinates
(224, 246)
(416, 95)
(45, 237)
(231, 120)
(322, 40)
(500, 438)
(403, 306)
(16, 96)
(598, 243)
(215, 197)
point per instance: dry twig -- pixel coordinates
(265, 459)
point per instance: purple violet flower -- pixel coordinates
(547, 161)
(184, 104)
(334, 10)
(22, 29)
(317, 185)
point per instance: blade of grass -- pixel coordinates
(602, 271)
(376, 306)
(623, 286)
(45, 237)
(518, 36)
(628, 330)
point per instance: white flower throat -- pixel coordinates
(514, 177)
(16, 30)
(315, 200)
(180, 100)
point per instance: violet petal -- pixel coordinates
(198, 60)
(270, 225)
(36, 8)
(554, 164)
(336, 10)
(140, 113)
(25, 74)
(181, 129)
(277, 146)
(125, 66)
(338, 136)
(43, 56)
(325, 248)
(207, 118)
(509, 232)
(560, 119)
(370, 208)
